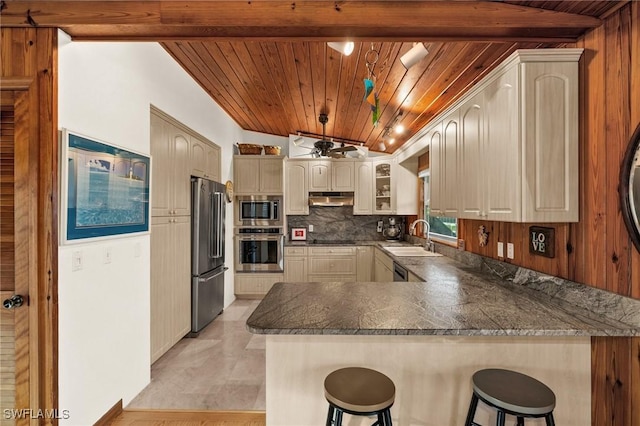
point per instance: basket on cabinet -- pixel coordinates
(249, 149)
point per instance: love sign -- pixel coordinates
(542, 241)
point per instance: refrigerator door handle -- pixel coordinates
(204, 280)
(215, 244)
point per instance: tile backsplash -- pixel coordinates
(339, 223)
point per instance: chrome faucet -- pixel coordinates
(428, 245)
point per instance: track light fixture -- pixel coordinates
(382, 146)
(414, 55)
(344, 47)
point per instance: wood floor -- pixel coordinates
(189, 418)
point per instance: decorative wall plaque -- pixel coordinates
(542, 241)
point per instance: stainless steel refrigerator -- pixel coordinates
(207, 251)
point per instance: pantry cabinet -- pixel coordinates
(257, 174)
(296, 199)
(514, 155)
(170, 292)
(170, 191)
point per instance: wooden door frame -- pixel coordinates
(35, 172)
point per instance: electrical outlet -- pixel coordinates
(510, 254)
(106, 258)
(76, 261)
(500, 249)
(310, 228)
(379, 228)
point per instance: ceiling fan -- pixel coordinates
(324, 147)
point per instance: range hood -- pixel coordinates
(331, 199)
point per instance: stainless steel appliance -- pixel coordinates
(207, 251)
(259, 210)
(399, 273)
(259, 250)
(393, 230)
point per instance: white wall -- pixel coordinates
(105, 90)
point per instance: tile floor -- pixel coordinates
(222, 369)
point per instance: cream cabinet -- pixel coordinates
(383, 266)
(295, 264)
(205, 159)
(170, 292)
(331, 175)
(364, 261)
(296, 193)
(258, 174)
(516, 144)
(171, 188)
(332, 263)
(363, 192)
(382, 187)
(255, 285)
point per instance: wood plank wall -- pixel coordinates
(31, 53)
(7, 256)
(597, 250)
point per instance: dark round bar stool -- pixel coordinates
(512, 393)
(360, 392)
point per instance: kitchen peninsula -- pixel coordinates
(429, 337)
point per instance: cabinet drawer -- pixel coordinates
(332, 278)
(255, 284)
(295, 251)
(332, 251)
(332, 266)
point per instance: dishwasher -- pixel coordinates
(399, 273)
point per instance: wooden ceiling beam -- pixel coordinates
(308, 20)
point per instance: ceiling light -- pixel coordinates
(399, 129)
(344, 47)
(414, 55)
(382, 146)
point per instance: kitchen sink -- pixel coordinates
(410, 251)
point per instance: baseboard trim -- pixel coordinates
(223, 417)
(110, 415)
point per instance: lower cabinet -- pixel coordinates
(364, 261)
(255, 285)
(383, 267)
(295, 264)
(170, 282)
(326, 264)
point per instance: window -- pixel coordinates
(442, 227)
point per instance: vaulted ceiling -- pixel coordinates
(267, 64)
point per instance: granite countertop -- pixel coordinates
(455, 299)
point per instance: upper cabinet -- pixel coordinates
(508, 151)
(395, 187)
(171, 188)
(331, 175)
(383, 190)
(258, 174)
(363, 192)
(296, 199)
(178, 153)
(205, 159)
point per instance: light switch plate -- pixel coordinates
(379, 228)
(500, 249)
(106, 255)
(510, 253)
(310, 228)
(76, 261)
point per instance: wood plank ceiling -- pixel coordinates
(267, 64)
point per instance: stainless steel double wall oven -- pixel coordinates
(259, 238)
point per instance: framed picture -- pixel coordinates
(298, 234)
(104, 189)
